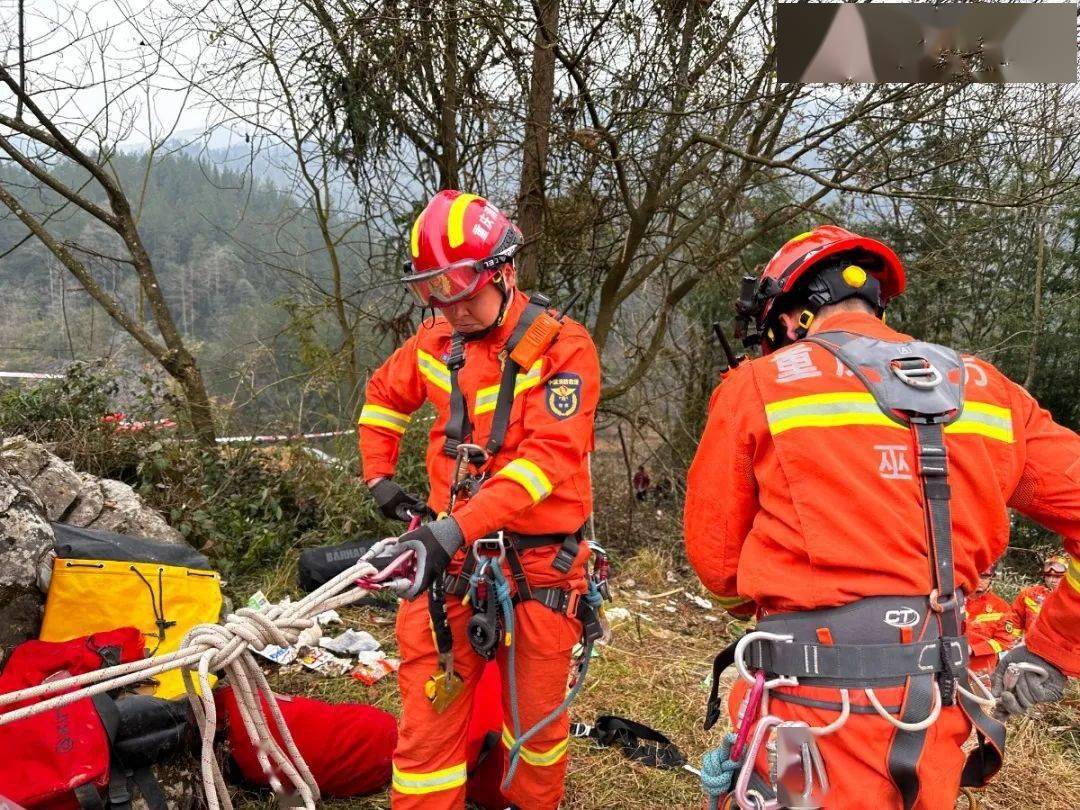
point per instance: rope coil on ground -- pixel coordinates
(224, 648)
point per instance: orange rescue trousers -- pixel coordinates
(856, 757)
(430, 760)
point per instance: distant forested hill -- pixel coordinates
(209, 231)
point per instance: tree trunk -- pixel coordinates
(448, 155)
(535, 145)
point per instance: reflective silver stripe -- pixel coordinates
(420, 783)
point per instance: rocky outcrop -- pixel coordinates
(68, 496)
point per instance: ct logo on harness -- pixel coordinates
(902, 617)
(563, 395)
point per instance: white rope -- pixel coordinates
(224, 648)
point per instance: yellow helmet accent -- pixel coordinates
(455, 224)
(795, 239)
(414, 239)
(854, 276)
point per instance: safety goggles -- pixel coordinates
(1057, 568)
(455, 282)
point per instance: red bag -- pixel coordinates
(347, 746)
(484, 747)
(51, 758)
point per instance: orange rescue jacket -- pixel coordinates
(539, 480)
(801, 496)
(1028, 604)
(991, 629)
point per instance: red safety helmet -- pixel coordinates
(458, 244)
(1055, 564)
(809, 251)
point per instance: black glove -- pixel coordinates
(397, 504)
(1023, 687)
(433, 544)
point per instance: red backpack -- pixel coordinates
(60, 759)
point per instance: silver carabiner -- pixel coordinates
(761, 635)
(746, 799)
(461, 466)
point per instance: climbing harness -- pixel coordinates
(872, 643)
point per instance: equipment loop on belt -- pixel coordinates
(925, 723)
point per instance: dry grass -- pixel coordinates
(655, 671)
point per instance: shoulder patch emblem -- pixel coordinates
(563, 395)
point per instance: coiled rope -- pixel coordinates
(224, 648)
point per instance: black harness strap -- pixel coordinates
(934, 474)
(907, 746)
(458, 425)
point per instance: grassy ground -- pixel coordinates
(655, 671)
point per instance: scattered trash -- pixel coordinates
(371, 670)
(616, 614)
(310, 636)
(711, 619)
(700, 601)
(328, 617)
(326, 664)
(279, 655)
(670, 577)
(643, 616)
(629, 582)
(272, 652)
(670, 608)
(350, 642)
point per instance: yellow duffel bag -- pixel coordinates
(163, 601)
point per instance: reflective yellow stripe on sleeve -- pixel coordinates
(1072, 575)
(539, 759)
(995, 646)
(381, 416)
(988, 617)
(486, 398)
(419, 783)
(431, 369)
(529, 476)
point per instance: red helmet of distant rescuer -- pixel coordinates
(825, 266)
(459, 243)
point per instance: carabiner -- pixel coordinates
(491, 549)
(761, 635)
(745, 800)
(464, 452)
(748, 714)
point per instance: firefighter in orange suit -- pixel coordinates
(849, 487)
(1028, 603)
(991, 625)
(527, 476)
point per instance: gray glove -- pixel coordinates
(434, 544)
(1023, 679)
